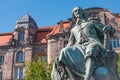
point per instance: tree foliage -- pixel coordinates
(119, 64)
(38, 71)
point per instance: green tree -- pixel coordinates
(119, 64)
(38, 71)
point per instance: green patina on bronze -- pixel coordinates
(87, 52)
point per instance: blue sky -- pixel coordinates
(46, 12)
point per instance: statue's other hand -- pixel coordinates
(106, 29)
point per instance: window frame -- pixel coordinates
(20, 68)
(1, 59)
(42, 57)
(1, 75)
(17, 72)
(21, 36)
(115, 42)
(19, 54)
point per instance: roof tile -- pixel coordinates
(57, 28)
(41, 34)
(4, 39)
(118, 19)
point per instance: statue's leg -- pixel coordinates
(55, 72)
(67, 69)
(63, 72)
(59, 71)
(90, 62)
(70, 59)
(91, 52)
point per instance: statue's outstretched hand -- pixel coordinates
(106, 29)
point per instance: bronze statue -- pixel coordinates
(85, 55)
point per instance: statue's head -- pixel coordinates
(78, 12)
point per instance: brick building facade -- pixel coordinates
(28, 41)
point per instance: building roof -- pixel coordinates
(41, 34)
(96, 8)
(5, 38)
(26, 19)
(56, 30)
(118, 19)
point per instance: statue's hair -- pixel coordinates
(83, 13)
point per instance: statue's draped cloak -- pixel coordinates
(85, 37)
(81, 37)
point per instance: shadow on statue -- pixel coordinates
(88, 55)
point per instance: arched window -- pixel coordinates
(21, 36)
(20, 57)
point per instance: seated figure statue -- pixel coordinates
(85, 57)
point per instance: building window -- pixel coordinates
(43, 58)
(21, 73)
(0, 75)
(20, 57)
(114, 43)
(18, 73)
(1, 59)
(20, 36)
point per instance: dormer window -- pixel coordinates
(20, 36)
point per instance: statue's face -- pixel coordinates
(78, 12)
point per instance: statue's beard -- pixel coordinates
(78, 16)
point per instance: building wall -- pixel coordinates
(52, 49)
(8, 64)
(55, 44)
(10, 55)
